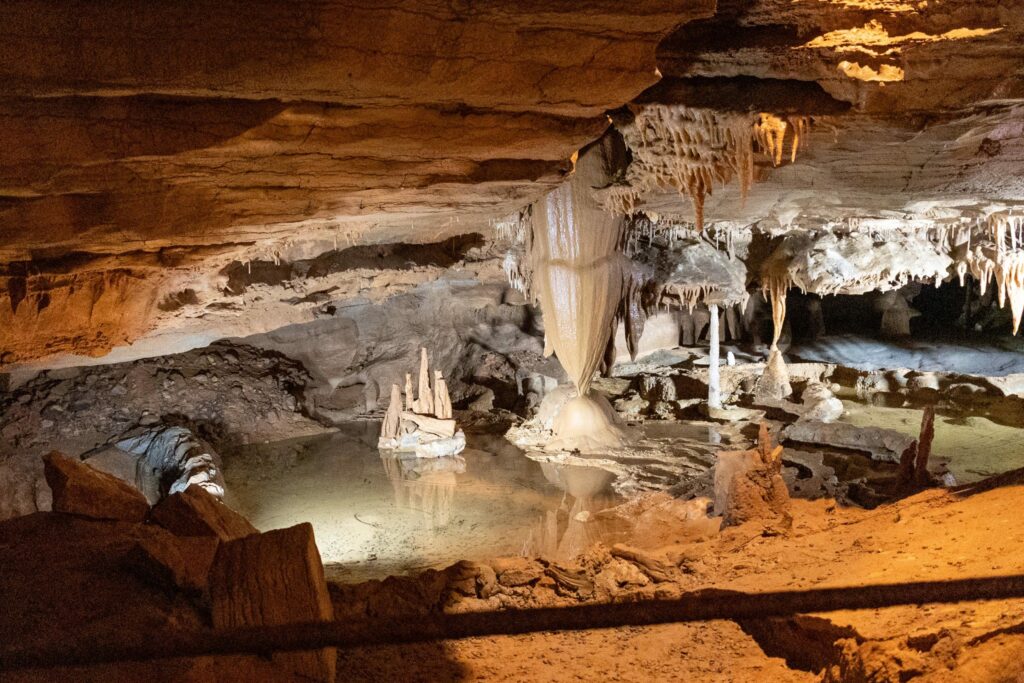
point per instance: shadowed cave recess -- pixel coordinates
(452, 341)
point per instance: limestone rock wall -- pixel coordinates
(145, 147)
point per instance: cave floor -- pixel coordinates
(935, 535)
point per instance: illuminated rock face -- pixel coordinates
(159, 144)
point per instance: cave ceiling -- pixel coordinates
(148, 149)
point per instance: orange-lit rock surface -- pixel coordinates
(176, 139)
(144, 149)
(934, 535)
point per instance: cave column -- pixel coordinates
(714, 379)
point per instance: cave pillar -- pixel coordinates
(714, 378)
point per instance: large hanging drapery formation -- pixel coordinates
(578, 270)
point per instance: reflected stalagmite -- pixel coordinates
(426, 486)
(563, 533)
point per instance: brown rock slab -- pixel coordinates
(196, 512)
(170, 561)
(81, 490)
(272, 579)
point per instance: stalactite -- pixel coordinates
(799, 126)
(580, 272)
(634, 316)
(1003, 262)
(694, 150)
(770, 132)
(775, 287)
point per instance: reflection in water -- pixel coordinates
(426, 485)
(571, 527)
(376, 516)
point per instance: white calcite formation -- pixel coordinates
(1000, 259)
(421, 424)
(857, 263)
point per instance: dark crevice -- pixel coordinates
(394, 256)
(806, 643)
(745, 93)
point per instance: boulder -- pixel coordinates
(749, 484)
(196, 512)
(272, 579)
(821, 404)
(78, 489)
(517, 571)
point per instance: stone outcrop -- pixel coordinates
(272, 579)
(183, 565)
(225, 394)
(81, 490)
(749, 485)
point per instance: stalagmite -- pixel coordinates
(774, 382)
(896, 315)
(425, 427)
(410, 401)
(392, 418)
(442, 402)
(424, 397)
(586, 423)
(714, 373)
